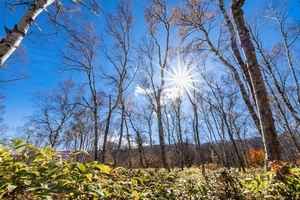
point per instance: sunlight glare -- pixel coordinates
(180, 80)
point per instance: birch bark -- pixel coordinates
(14, 37)
(271, 143)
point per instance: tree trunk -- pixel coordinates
(149, 123)
(140, 148)
(116, 154)
(14, 37)
(237, 79)
(235, 146)
(179, 132)
(285, 119)
(269, 135)
(196, 128)
(161, 137)
(106, 131)
(96, 135)
(129, 144)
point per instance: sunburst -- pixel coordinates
(180, 80)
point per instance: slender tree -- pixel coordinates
(119, 29)
(80, 57)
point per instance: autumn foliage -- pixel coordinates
(256, 156)
(30, 173)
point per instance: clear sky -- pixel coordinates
(40, 61)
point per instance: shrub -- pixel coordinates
(27, 172)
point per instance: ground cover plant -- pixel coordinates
(27, 172)
(149, 99)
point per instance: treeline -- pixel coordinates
(213, 155)
(237, 85)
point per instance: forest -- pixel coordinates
(158, 99)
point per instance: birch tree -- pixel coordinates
(119, 30)
(14, 37)
(80, 57)
(202, 17)
(157, 15)
(269, 134)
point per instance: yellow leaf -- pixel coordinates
(103, 168)
(135, 195)
(89, 177)
(81, 167)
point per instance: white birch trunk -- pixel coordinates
(14, 38)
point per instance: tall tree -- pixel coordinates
(119, 29)
(157, 16)
(200, 16)
(269, 134)
(196, 17)
(81, 56)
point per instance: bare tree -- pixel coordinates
(138, 138)
(194, 101)
(119, 29)
(128, 137)
(157, 15)
(80, 57)
(202, 19)
(77, 135)
(224, 104)
(198, 18)
(54, 112)
(282, 81)
(269, 134)
(127, 113)
(148, 117)
(177, 109)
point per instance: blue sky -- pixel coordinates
(39, 58)
(40, 61)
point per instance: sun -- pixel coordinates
(180, 80)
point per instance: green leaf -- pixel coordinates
(81, 167)
(17, 144)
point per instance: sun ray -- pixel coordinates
(180, 80)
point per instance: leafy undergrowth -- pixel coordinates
(27, 172)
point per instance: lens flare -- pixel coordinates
(180, 80)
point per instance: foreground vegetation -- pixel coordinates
(27, 172)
